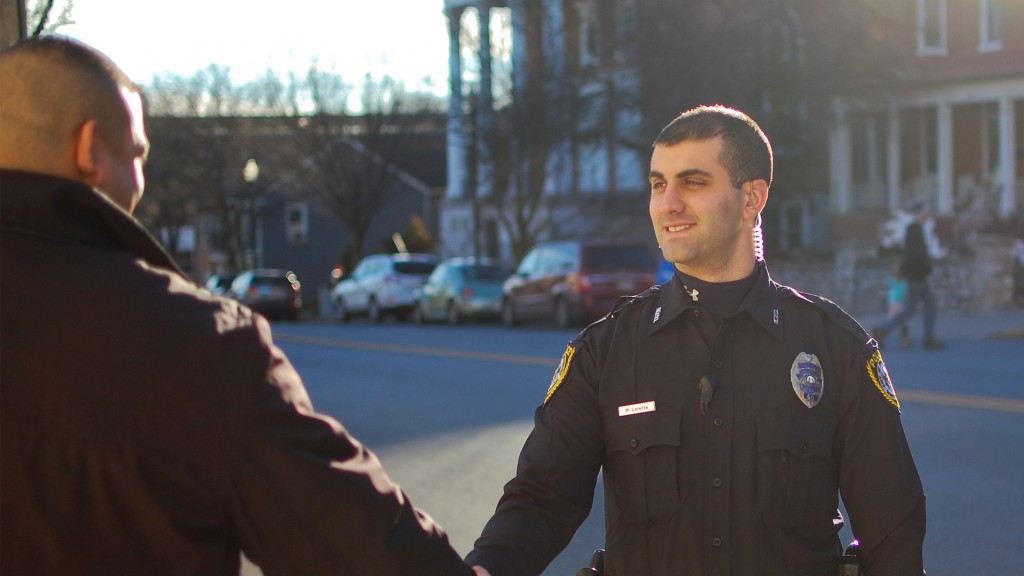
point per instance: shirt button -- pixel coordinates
(698, 313)
(803, 446)
(717, 482)
(633, 443)
(716, 542)
(718, 421)
(719, 364)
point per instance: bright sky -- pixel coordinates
(405, 39)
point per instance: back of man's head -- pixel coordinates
(51, 86)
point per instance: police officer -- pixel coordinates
(728, 412)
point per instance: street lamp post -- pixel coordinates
(254, 252)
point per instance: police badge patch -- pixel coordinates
(880, 376)
(560, 372)
(807, 378)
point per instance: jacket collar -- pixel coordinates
(763, 303)
(51, 207)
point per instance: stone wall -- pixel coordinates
(975, 281)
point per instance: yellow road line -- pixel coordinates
(942, 399)
(963, 400)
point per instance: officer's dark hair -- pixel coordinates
(746, 151)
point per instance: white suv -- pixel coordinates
(382, 284)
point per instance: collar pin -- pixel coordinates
(693, 293)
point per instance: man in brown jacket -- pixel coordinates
(149, 427)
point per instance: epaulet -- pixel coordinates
(833, 311)
(621, 303)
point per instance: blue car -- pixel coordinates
(460, 289)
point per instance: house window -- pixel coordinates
(213, 231)
(991, 33)
(931, 27)
(296, 221)
(782, 60)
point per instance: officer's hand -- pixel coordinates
(480, 571)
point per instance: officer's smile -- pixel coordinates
(679, 228)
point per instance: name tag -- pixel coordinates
(636, 408)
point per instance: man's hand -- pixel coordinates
(480, 571)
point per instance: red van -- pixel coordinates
(575, 281)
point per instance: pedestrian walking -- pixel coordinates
(148, 426)
(724, 411)
(916, 267)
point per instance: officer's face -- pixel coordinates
(699, 217)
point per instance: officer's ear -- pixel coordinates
(755, 196)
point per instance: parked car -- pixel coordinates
(575, 281)
(220, 284)
(380, 285)
(273, 292)
(460, 289)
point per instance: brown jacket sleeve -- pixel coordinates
(305, 497)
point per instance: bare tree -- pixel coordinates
(201, 146)
(40, 17)
(780, 60)
(20, 19)
(513, 142)
(555, 107)
(348, 159)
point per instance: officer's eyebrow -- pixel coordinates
(682, 174)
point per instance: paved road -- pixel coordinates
(447, 410)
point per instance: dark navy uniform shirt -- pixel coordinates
(797, 407)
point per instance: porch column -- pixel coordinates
(1007, 158)
(840, 160)
(456, 117)
(485, 109)
(944, 163)
(486, 88)
(893, 167)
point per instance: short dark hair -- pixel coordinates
(746, 151)
(52, 83)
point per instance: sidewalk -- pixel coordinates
(997, 324)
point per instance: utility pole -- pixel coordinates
(12, 22)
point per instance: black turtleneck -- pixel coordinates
(720, 299)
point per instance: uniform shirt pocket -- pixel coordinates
(796, 481)
(641, 465)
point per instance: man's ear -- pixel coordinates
(87, 154)
(755, 196)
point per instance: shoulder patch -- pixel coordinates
(560, 372)
(879, 374)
